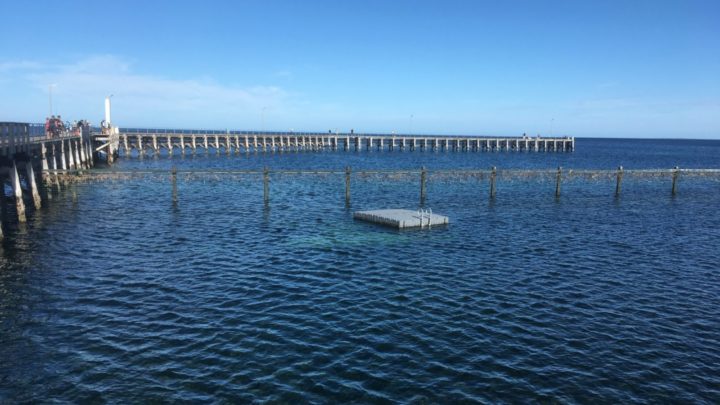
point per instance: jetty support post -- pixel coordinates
(109, 152)
(493, 174)
(173, 177)
(56, 177)
(675, 174)
(81, 151)
(423, 181)
(17, 191)
(45, 175)
(71, 155)
(63, 161)
(618, 185)
(266, 185)
(347, 186)
(33, 185)
(558, 179)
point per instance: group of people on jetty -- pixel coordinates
(55, 127)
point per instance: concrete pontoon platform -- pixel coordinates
(402, 218)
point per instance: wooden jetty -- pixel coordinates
(402, 219)
(145, 141)
(25, 150)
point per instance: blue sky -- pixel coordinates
(582, 68)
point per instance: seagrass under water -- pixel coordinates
(117, 294)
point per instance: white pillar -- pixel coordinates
(107, 111)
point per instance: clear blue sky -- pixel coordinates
(582, 68)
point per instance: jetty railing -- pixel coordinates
(494, 176)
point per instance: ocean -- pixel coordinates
(112, 293)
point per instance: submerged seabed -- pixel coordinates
(112, 293)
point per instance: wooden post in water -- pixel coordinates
(347, 186)
(423, 180)
(675, 174)
(56, 178)
(63, 161)
(30, 173)
(558, 178)
(618, 185)
(492, 182)
(266, 185)
(45, 168)
(173, 177)
(71, 155)
(17, 191)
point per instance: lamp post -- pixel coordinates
(411, 119)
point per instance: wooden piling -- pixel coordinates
(558, 179)
(17, 191)
(266, 185)
(676, 173)
(423, 180)
(71, 156)
(493, 174)
(618, 185)
(56, 177)
(63, 161)
(347, 185)
(45, 167)
(173, 177)
(32, 184)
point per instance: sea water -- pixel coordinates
(113, 293)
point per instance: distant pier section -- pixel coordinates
(145, 141)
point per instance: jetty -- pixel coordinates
(147, 140)
(26, 149)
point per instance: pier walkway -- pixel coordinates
(153, 140)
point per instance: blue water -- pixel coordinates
(111, 293)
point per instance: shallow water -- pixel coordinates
(112, 293)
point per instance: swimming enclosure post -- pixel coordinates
(675, 174)
(492, 182)
(618, 185)
(173, 176)
(423, 180)
(558, 178)
(266, 185)
(347, 186)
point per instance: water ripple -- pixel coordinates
(524, 300)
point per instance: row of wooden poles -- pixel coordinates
(423, 181)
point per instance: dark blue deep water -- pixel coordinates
(112, 294)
